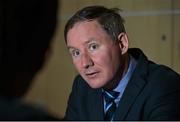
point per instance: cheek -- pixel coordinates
(103, 60)
(77, 65)
(109, 61)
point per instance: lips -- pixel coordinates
(91, 74)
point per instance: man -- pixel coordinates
(26, 28)
(115, 83)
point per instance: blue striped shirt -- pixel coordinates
(124, 81)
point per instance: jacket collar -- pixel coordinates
(135, 85)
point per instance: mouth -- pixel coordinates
(91, 74)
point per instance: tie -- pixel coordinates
(110, 105)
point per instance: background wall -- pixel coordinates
(152, 25)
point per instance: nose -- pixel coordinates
(86, 61)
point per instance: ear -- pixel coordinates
(123, 42)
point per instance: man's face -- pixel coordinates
(95, 56)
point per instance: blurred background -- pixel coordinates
(152, 25)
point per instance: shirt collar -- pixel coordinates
(126, 77)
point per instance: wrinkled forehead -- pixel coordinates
(85, 28)
(86, 23)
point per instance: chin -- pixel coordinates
(95, 85)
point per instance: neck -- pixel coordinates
(120, 73)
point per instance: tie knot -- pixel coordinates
(110, 96)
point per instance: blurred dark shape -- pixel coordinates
(26, 29)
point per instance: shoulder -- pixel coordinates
(80, 82)
(164, 74)
(163, 83)
(163, 86)
(80, 86)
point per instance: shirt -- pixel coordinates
(124, 81)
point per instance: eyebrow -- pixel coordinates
(90, 40)
(87, 42)
(70, 47)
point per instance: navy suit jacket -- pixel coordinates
(153, 93)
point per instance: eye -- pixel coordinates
(93, 46)
(75, 53)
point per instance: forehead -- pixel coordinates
(85, 26)
(85, 31)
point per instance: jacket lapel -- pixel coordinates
(130, 94)
(135, 85)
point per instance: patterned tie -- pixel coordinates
(110, 105)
